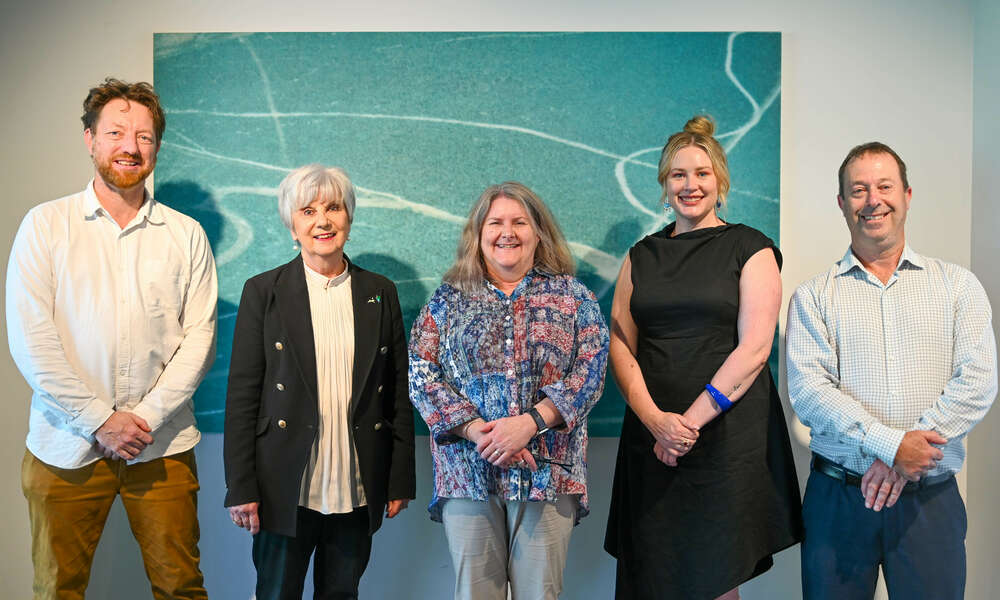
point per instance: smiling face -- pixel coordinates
(123, 144)
(507, 241)
(692, 189)
(321, 228)
(874, 202)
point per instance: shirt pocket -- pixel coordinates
(163, 285)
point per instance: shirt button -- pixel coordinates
(509, 341)
(379, 390)
(507, 318)
(282, 424)
(378, 426)
(510, 372)
(279, 346)
(281, 387)
(383, 349)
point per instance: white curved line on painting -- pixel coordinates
(266, 81)
(758, 109)
(189, 140)
(737, 135)
(604, 264)
(244, 231)
(627, 190)
(440, 120)
(376, 199)
(217, 156)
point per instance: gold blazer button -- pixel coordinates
(282, 423)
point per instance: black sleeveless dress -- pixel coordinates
(702, 528)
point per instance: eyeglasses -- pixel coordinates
(540, 459)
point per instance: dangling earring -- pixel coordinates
(668, 211)
(296, 246)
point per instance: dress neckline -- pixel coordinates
(695, 233)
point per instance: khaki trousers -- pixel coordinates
(68, 508)
(498, 543)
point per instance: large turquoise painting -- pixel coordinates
(423, 122)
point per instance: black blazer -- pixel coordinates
(271, 403)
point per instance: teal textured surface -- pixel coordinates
(423, 122)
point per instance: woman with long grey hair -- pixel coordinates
(506, 361)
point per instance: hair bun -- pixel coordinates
(701, 124)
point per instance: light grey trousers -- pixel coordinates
(500, 541)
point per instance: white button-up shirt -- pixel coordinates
(103, 318)
(868, 361)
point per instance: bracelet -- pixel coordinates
(720, 398)
(465, 428)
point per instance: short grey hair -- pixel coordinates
(303, 185)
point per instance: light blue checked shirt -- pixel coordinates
(868, 361)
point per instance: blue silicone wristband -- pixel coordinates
(720, 398)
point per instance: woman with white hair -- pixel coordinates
(319, 429)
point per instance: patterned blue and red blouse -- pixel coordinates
(490, 355)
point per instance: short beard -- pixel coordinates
(122, 181)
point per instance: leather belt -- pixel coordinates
(831, 469)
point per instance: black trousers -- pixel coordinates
(342, 546)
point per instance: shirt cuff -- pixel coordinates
(90, 419)
(882, 442)
(556, 392)
(148, 414)
(442, 429)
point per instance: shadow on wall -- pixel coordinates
(198, 203)
(413, 294)
(413, 291)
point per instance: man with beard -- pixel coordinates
(111, 320)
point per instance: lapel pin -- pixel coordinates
(371, 300)
(378, 298)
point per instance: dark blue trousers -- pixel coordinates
(342, 547)
(919, 543)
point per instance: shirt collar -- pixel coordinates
(907, 258)
(523, 285)
(150, 209)
(322, 280)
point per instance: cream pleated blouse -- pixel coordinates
(332, 481)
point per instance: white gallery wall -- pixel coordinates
(921, 76)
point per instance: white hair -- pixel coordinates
(305, 184)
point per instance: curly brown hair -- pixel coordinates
(112, 88)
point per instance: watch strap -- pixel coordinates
(539, 421)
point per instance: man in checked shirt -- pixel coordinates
(891, 362)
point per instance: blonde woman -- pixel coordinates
(705, 488)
